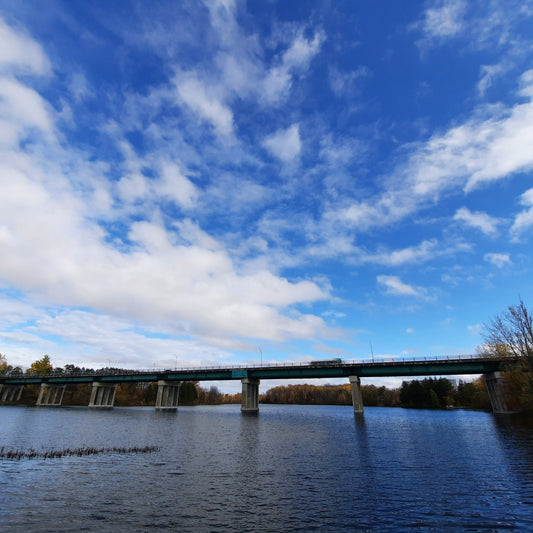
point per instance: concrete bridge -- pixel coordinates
(104, 383)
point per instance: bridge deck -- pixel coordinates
(362, 369)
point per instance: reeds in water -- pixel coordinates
(78, 452)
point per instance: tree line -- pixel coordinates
(429, 393)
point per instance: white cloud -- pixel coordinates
(53, 249)
(524, 220)
(21, 109)
(277, 82)
(492, 145)
(500, 260)
(174, 185)
(483, 149)
(92, 339)
(482, 25)
(339, 152)
(20, 53)
(284, 144)
(485, 223)
(393, 285)
(205, 103)
(343, 83)
(487, 75)
(444, 18)
(476, 329)
(425, 251)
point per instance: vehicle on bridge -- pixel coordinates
(327, 362)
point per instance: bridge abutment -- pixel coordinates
(250, 396)
(494, 383)
(50, 395)
(103, 395)
(357, 397)
(10, 393)
(167, 395)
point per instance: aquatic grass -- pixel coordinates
(72, 452)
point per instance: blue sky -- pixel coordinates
(196, 183)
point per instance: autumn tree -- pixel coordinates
(3, 364)
(41, 366)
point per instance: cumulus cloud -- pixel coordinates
(22, 110)
(285, 145)
(481, 221)
(19, 53)
(51, 250)
(57, 215)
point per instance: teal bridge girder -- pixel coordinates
(363, 369)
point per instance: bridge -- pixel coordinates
(104, 382)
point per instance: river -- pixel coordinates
(291, 468)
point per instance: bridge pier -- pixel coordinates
(494, 383)
(357, 398)
(50, 395)
(10, 393)
(103, 395)
(250, 396)
(167, 395)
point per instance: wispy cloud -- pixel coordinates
(524, 220)
(207, 105)
(481, 221)
(488, 73)
(491, 146)
(423, 252)
(444, 18)
(278, 79)
(395, 286)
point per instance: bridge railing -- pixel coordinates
(300, 364)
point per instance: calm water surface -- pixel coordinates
(292, 468)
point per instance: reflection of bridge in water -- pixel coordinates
(104, 382)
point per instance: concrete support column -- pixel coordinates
(357, 398)
(250, 396)
(494, 384)
(10, 393)
(51, 395)
(167, 395)
(103, 395)
(19, 393)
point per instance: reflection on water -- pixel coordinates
(306, 468)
